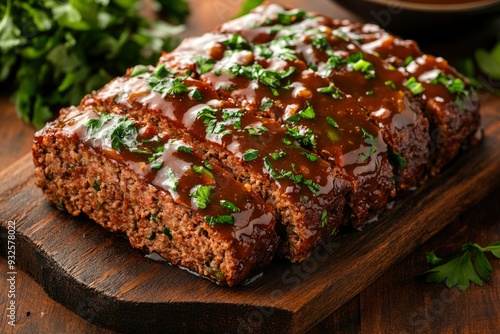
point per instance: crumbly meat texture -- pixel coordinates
(84, 180)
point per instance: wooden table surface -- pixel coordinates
(398, 302)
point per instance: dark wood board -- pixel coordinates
(97, 275)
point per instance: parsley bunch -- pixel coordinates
(459, 270)
(53, 52)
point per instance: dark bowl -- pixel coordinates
(425, 18)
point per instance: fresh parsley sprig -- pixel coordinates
(459, 270)
(54, 52)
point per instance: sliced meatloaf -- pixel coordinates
(307, 194)
(331, 54)
(157, 191)
(265, 135)
(448, 101)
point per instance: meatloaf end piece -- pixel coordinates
(156, 191)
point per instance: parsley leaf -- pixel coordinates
(201, 195)
(171, 180)
(54, 52)
(203, 64)
(229, 205)
(223, 219)
(250, 155)
(414, 86)
(330, 90)
(459, 270)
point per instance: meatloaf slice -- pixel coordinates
(330, 53)
(157, 191)
(446, 97)
(308, 194)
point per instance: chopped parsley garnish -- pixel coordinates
(307, 113)
(297, 178)
(163, 81)
(454, 85)
(227, 114)
(210, 120)
(330, 90)
(365, 67)
(223, 219)
(229, 205)
(202, 170)
(303, 135)
(414, 86)
(122, 131)
(171, 180)
(370, 139)
(269, 78)
(340, 34)
(250, 155)
(203, 64)
(408, 60)
(324, 218)
(333, 62)
(459, 270)
(290, 16)
(183, 148)
(154, 216)
(201, 195)
(237, 42)
(278, 155)
(310, 156)
(156, 157)
(319, 40)
(96, 186)
(398, 160)
(152, 236)
(369, 92)
(138, 70)
(256, 132)
(207, 165)
(269, 103)
(167, 232)
(95, 125)
(331, 122)
(391, 84)
(195, 94)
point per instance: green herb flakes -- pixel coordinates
(223, 219)
(201, 195)
(229, 205)
(324, 218)
(250, 155)
(171, 180)
(414, 86)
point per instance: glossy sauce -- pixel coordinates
(253, 220)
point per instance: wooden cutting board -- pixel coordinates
(97, 275)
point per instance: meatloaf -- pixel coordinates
(155, 190)
(262, 137)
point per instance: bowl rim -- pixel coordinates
(429, 7)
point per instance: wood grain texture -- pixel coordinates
(391, 306)
(75, 260)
